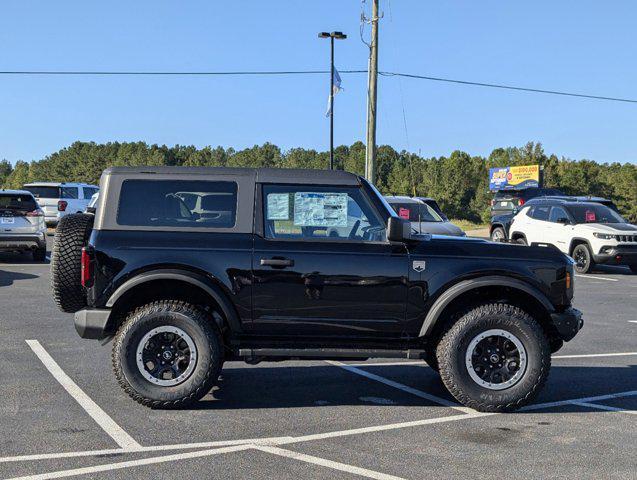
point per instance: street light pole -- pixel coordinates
(332, 36)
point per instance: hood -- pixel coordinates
(437, 228)
(609, 227)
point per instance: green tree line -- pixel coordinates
(459, 181)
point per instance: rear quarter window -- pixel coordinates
(180, 203)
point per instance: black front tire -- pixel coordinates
(583, 259)
(202, 330)
(454, 369)
(498, 234)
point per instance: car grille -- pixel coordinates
(626, 238)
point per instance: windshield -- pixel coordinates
(416, 212)
(594, 213)
(44, 192)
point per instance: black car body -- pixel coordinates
(350, 284)
(507, 201)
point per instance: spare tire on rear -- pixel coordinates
(71, 235)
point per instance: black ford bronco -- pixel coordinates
(190, 267)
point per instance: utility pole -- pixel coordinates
(332, 36)
(370, 153)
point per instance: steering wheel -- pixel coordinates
(352, 234)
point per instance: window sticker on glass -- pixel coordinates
(278, 206)
(590, 216)
(315, 209)
(403, 213)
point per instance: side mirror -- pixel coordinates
(564, 221)
(398, 229)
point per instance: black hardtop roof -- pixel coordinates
(263, 175)
(564, 201)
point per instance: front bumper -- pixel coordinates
(92, 323)
(568, 323)
(23, 241)
(617, 255)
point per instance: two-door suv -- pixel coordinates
(190, 267)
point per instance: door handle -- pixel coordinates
(277, 262)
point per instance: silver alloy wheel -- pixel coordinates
(496, 359)
(166, 356)
(497, 235)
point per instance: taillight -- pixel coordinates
(62, 205)
(86, 268)
(520, 202)
(35, 213)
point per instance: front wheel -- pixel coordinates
(495, 358)
(583, 259)
(167, 354)
(498, 234)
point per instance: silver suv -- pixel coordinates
(22, 226)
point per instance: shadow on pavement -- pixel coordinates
(315, 386)
(7, 278)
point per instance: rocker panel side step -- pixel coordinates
(330, 353)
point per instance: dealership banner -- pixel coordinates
(508, 178)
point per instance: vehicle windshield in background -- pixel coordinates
(44, 192)
(18, 203)
(416, 212)
(592, 213)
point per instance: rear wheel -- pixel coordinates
(521, 241)
(71, 235)
(495, 358)
(167, 354)
(498, 234)
(583, 258)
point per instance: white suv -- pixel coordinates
(589, 232)
(57, 199)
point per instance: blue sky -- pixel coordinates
(587, 46)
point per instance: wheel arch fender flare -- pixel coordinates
(464, 286)
(577, 241)
(192, 278)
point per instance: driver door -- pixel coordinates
(322, 265)
(560, 234)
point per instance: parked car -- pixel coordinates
(181, 293)
(22, 225)
(500, 224)
(589, 232)
(57, 199)
(506, 201)
(433, 204)
(423, 217)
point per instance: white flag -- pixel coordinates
(336, 87)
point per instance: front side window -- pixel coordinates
(319, 213)
(89, 192)
(557, 213)
(69, 192)
(177, 203)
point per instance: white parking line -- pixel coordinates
(597, 278)
(131, 463)
(605, 407)
(596, 355)
(342, 467)
(632, 321)
(107, 424)
(404, 388)
(573, 401)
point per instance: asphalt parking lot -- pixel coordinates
(63, 415)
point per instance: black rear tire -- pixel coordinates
(71, 235)
(584, 262)
(526, 381)
(200, 328)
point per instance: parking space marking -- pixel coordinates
(605, 407)
(574, 401)
(596, 355)
(107, 424)
(131, 463)
(632, 321)
(343, 467)
(597, 278)
(403, 387)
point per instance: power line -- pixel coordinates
(308, 72)
(508, 87)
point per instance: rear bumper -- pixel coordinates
(568, 323)
(22, 242)
(622, 255)
(92, 323)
